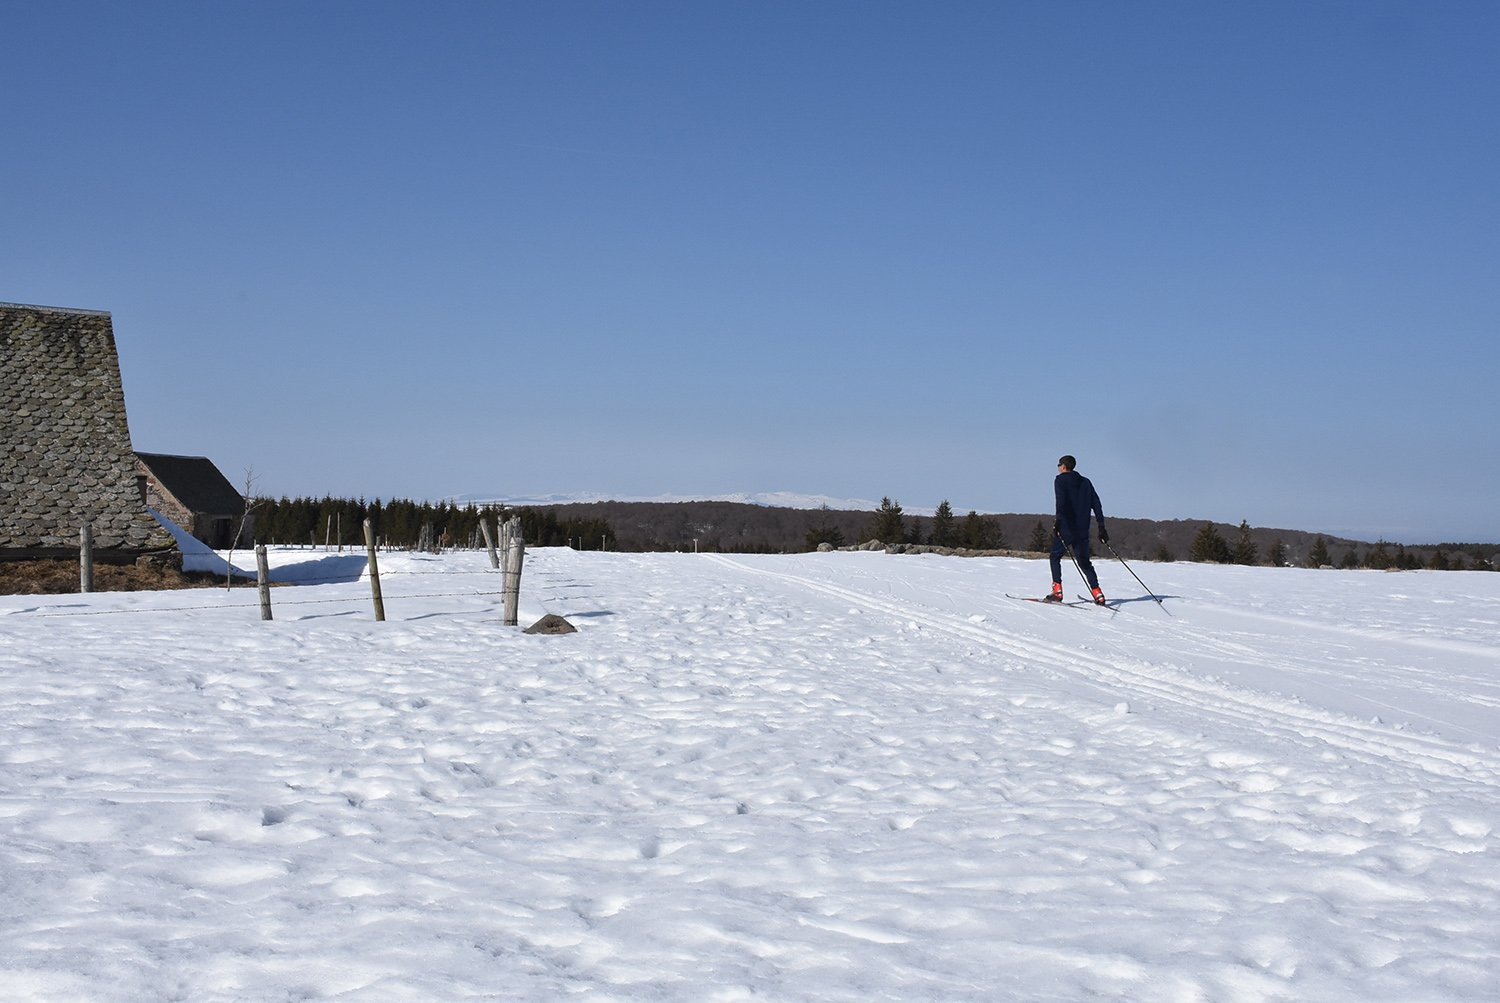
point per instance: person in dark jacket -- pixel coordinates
(1076, 498)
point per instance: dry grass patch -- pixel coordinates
(60, 577)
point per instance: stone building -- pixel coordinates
(192, 492)
(65, 455)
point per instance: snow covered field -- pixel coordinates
(826, 777)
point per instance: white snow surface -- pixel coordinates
(199, 556)
(830, 777)
(286, 564)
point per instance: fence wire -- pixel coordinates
(254, 605)
(351, 578)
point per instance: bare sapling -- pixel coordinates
(244, 520)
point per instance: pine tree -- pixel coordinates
(1351, 559)
(1379, 557)
(1456, 562)
(979, 533)
(1163, 555)
(1439, 561)
(886, 525)
(1038, 543)
(1318, 557)
(915, 535)
(944, 532)
(824, 531)
(1209, 546)
(1245, 551)
(1277, 554)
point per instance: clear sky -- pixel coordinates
(1240, 259)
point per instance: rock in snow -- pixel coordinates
(551, 624)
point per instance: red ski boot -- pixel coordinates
(1057, 593)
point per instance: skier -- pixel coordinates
(1075, 498)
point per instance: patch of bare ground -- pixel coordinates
(60, 577)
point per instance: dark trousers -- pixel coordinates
(1080, 551)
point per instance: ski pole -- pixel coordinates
(1078, 567)
(1138, 579)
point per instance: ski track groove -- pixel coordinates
(1235, 650)
(1430, 755)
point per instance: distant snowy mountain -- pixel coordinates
(771, 499)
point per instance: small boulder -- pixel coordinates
(551, 624)
(825, 547)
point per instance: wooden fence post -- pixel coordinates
(489, 542)
(263, 580)
(86, 557)
(374, 572)
(512, 578)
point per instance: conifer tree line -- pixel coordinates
(1384, 556)
(398, 523)
(1210, 546)
(889, 526)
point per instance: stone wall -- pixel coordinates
(65, 453)
(166, 504)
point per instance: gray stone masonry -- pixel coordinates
(65, 452)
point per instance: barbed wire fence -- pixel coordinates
(505, 565)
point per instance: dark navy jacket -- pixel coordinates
(1075, 497)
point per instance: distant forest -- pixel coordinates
(398, 523)
(734, 527)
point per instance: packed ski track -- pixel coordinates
(844, 776)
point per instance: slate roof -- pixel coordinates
(65, 455)
(195, 482)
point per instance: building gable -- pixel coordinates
(194, 482)
(65, 454)
(192, 492)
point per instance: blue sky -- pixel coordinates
(1240, 259)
